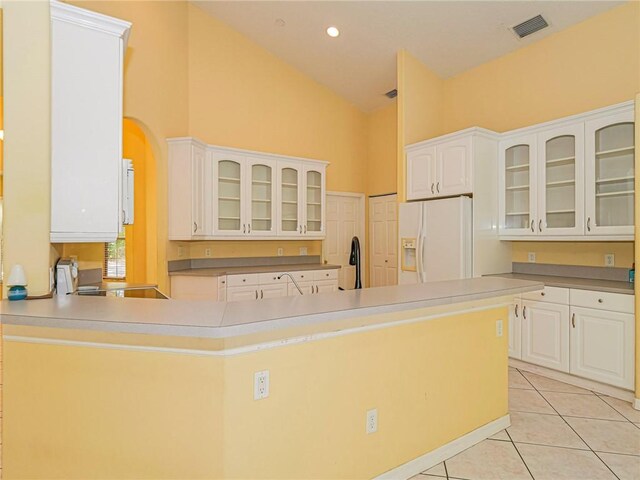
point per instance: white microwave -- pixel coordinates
(127, 192)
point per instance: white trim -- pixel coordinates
(478, 131)
(636, 403)
(248, 348)
(603, 388)
(362, 224)
(241, 151)
(575, 238)
(86, 18)
(448, 450)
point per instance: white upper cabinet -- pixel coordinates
(561, 181)
(261, 196)
(243, 195)
(290, 198)
(453, 167)
(610, 174)
(87, 52)
(190, 178)
(421, 173)
(443, 167)
(570, 180)
(518, 185)
(230, 197)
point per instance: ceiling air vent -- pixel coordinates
(392, 93)
(530, 26)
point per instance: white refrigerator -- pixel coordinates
(435, 238)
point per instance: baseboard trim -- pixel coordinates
(603, 388)
(636, 403)
(446, 451)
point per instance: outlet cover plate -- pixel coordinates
(609, 260)
(498, 328)
(372, 420)
(261, 385)
(303, 250)
(531, 257)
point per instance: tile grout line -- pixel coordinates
(625, 417)
(583, 440)
(446, 470)
(519, 454)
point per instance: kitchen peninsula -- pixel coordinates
(167, 389)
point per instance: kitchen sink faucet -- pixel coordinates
(292, 279)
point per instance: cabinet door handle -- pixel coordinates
(256, 294)
(438, 187)
(600, 300)
(305, 228)
(244, 228)
(540, 225)
(261, 294)
(588, 224)
(532, 228)
(516, 310)
(300, 228)
(432, 187)
(573, 320)
(195, 227)
(524, 312)
(248, 228)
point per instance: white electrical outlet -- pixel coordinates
(532, 257)
(609, 260)
(261, 384)
(207, 252)
(180, 251)
(498, 328)
(372, 421)
(280, 251)
(303, 250)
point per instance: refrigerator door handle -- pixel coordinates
(419, 255)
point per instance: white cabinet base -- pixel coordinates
(602, 388)
(602, 346)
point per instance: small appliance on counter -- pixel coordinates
(66, 276)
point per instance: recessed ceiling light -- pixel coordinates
(280, 22)
(333, 31)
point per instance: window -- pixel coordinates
(115, 263)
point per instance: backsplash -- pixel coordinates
(574, 253)
(241, 248)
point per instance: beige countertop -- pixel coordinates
(223, 320)
(217, 272)
(573, 282)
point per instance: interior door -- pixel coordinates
(344, 220)
(383, 240)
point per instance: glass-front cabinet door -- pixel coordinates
(229, 197)
(561, 181)
(261, 197)
(517, 186)
(290, 199)
(314, 202)
(610, 175)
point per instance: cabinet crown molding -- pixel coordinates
(242, 151)
(476, 131)
(88, 19)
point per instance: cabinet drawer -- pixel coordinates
(240, 280)
(303, 275)
(325, 274)
(549, 294)
(272, 278)
(615, 302)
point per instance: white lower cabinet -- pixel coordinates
(237, 294)
(602, 346)
(545, 334)
(589, 334)
(515, 324)
(326, 286)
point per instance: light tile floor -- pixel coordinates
(557, 432)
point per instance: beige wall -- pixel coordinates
(382, 133)
(420, 109)
(27, 155)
